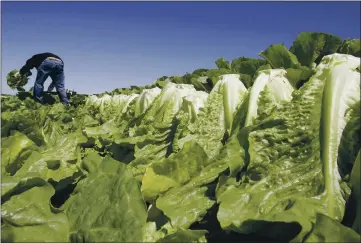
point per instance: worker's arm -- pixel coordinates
(25, 70)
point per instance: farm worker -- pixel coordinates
(47, 64)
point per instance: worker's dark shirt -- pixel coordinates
(35, 61)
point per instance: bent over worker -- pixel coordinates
(47, 64)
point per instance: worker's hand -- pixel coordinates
(27, 74)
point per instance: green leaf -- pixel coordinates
(247, 65)
(351, 47)
(327, 229)
(188, 204)
(14, 151)
(63, 158)
(278, 56)
(298, 76)
(214, 75)
(106, 206)
(33, 171)
(200, 72)
(185, 205)
(222, 63)
(355, 185)
(28, 217)
(350, 141)
(174, 171)
(246, 80)
(186, 236)
(310, 47)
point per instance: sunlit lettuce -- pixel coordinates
(327, 229)
(193, 102)
(107, 205)
(351, 47)
(168, 103)
(110, 104)
(216, 118)
(28, 217)
(14, 150)
(271, 84)
(292, 163)
(145, 99)
(152, 134)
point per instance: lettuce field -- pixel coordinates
(255, 150)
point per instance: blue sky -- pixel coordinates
(106, 45)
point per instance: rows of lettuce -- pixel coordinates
(276, 161)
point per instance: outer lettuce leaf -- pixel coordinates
(214, 75)
(247, 65)
(28, 217)
(298, 76)
(341, 93)
(185, 205)
(24, 121)
(33, 171)
(292, 164)
(63, 159)
(150, 233)
(106, 206)
(186, 236)
(246, 80)
(104, 131)
(350, 141)
(355, 185)
(278, 56)
(222, 63)
(310, 47)
(174, 171)
(351, 47)
(327, 229)
(14, 150)
(188, 204)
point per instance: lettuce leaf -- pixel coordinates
(327, 229)
(107, 205)
(29, 217)
(278, 56)
(311, 47)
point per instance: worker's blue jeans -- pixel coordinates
(54, 69)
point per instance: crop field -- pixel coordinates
(255, 150)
